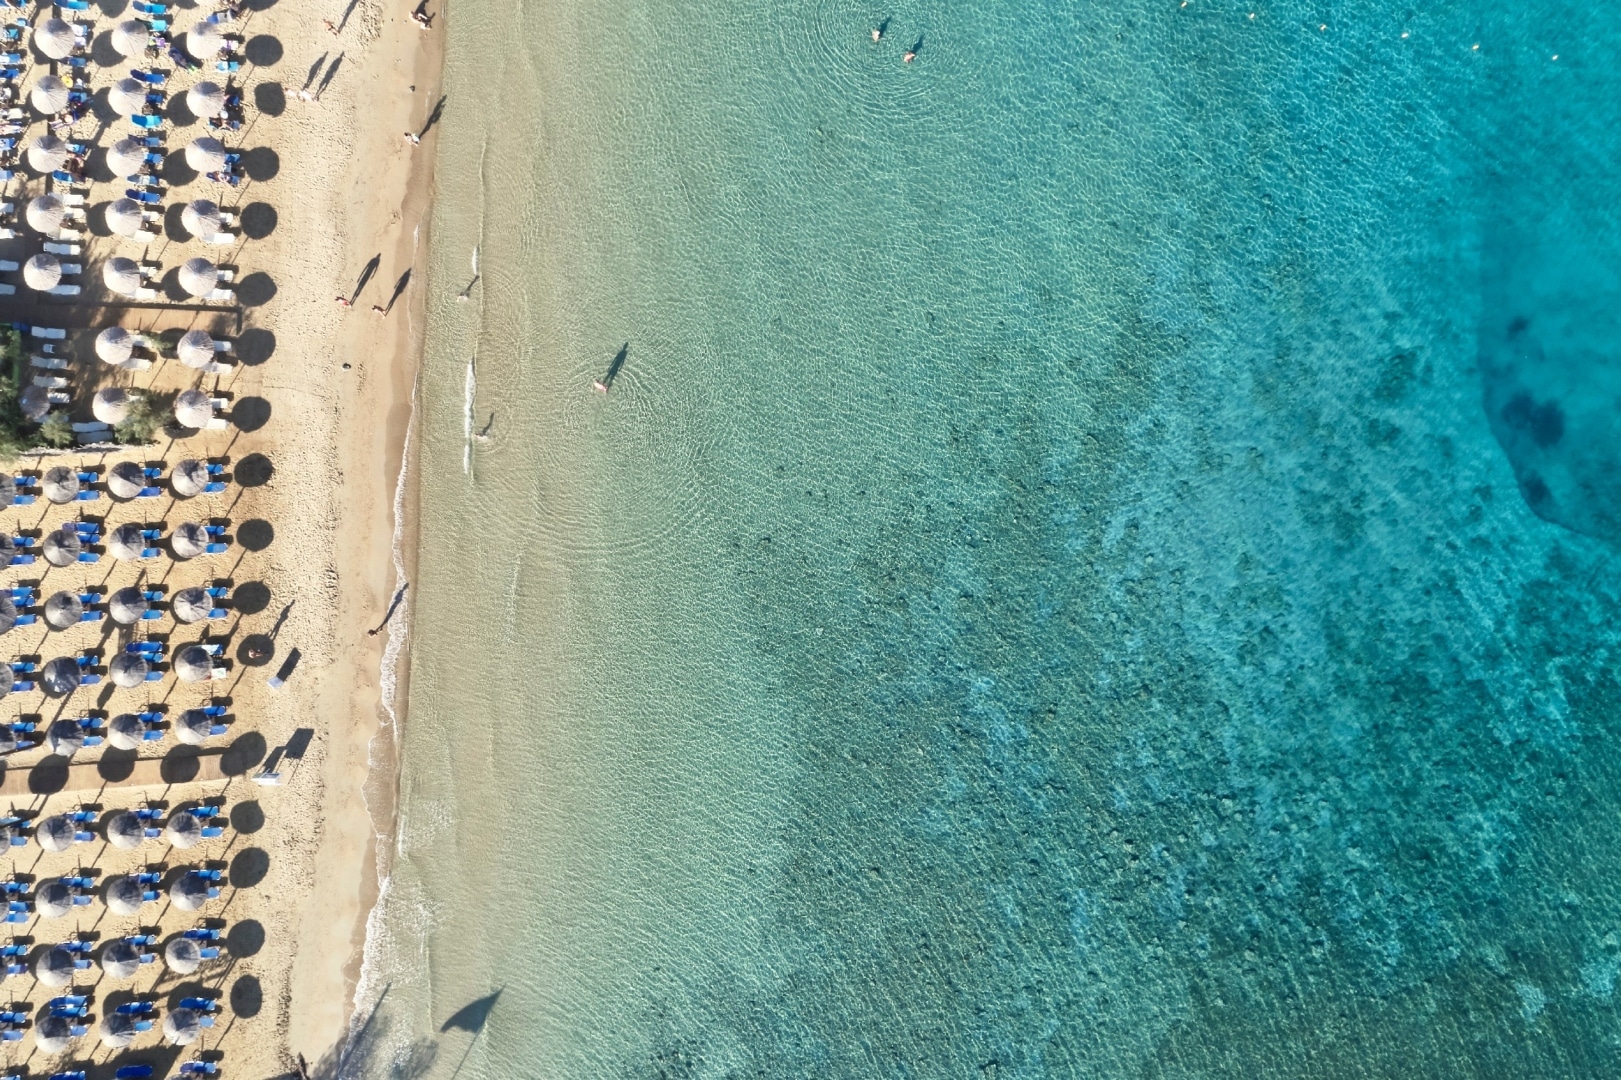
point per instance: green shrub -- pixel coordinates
(142, 422)
(56, 430)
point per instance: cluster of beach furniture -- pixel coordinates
(119, 605)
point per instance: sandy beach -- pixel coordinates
(324, 395)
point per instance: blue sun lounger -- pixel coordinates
(211, 710)
(72, 1074)
(196, 1068)
(213, 488)
(21, 560)
(141, 1008)
(149, 616)
(89, 496)
(133, 1072)
(16, 917)
(149, 493)
(147, 123)
(27, 620)
(197, 1004)
(216, 549)
(22, 687)
(141, 195)
(22, 500)
(89, 556)
(202, 934)
(211, 952)
(211, 831)
(148, 878)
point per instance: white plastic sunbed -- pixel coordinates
(52, 363)
(50, 382)
(72, 268)
(90, 425)
(66, 290)
(146, 294)
(219, 423)
(9, 265)
(50, 333)
(62, 249)
(7, 290)
(221, 296)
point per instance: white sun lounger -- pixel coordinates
(220, 239)
(221, 296)
(91, 425)
(73, 198)
(219, 423)
(227, 274)
(145, 236)
(146, 294)
(50, 382)
(72, 268)
(52, 363)
(7, 290)
(8, 265)
(49, 333)
(62, 249)
(66, 290)
(221, 345)
(69, 234)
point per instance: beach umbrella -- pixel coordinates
(116, 1029)
(35, 401)
(193, 726)
(128, 670)
(204, 41)
(198, 276)
(184, 830)
(127, 605)
(194, 409)
(130, 37)
(196, 348)
(123, 216)
(188, 476)
(49, 95)
(189, 892)
(115, 345)
(126, 542)
(181, 1026)
(63, 610)
(62, 546)
(188, 540)
(121, 275)
(43, 272)
(124, 731)
(47, 153)
(125, 479)
(53, 899)
(205, 154)
(201, 217)
(54, 833)
(121, 960)
(54, 38)
(126, 156)
(124, 895)
(110, 406)
(206, 99)
(125, 831)
(182, 955)
(65, 737)
(127, 97)
(61, 484)
(193, 664)
(60, 677)
(8, 616)
(192, 605)
(45, 213)
(54, 1034)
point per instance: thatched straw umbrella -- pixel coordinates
(125, 480)
(193, 726)
(8, 616)
(54, 833)
(126, 542)
(125, 831)
(201, 217)
(181, 1027)
(206, 99)
(189, 892)
(60, 677)
(125, 731)
(130, 38)
(193, 664)
(61, 484)
(35, 401)
(123, 216)
(204, 41)
(64, 737)
(182, 956)
(47, 154)
(121, 960)
(124, 895)
(43, 272)
(196, 348)
(49, 95)
(115, 345)
(189, 476)
(184, 830)
(193, 409)
(192, 605)
(53, 899)
(127, 97)
(198, 276)
(62, 546)
(45, 213)
(126, 156)
(54, 38)
(121, 275)
(63, 610)
(54, 1034)
(127, 605)
(188, 540)
(205, 154)
(116, 1029)
(128, 670)
(111, 406)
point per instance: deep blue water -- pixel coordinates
(1100, 559)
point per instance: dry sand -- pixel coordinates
(346, 187)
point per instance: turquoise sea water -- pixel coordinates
(1099, 559)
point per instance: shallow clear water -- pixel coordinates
(1099, 559)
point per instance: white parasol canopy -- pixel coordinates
(42, 272)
